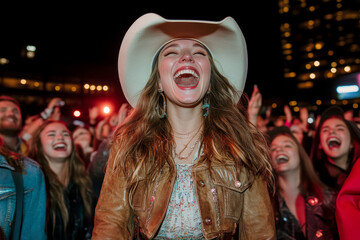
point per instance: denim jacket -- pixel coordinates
(34, 208)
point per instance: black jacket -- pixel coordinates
(79, 226)
(320, 220)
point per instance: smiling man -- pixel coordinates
(11, 124)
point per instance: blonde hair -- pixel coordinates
(143, 141)
(55, 188)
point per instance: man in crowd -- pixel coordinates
(11, 125)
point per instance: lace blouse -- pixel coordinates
(182, 220)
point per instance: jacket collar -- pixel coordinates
(5, 164)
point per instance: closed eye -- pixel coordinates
(169, 53)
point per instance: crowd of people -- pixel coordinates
(56, 167)
(182, 160)
(316, 169)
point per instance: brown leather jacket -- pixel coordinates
(225, 201)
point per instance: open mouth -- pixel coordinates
(10, 119)
(333, 142)
(60, 147)
(282, 159)
(186, 78)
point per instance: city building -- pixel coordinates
(320, 41)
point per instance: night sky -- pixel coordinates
(86, 38)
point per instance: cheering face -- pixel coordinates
(56, 141)
(184, 68)
(285, 155)
(10, 118)
(335, 138)
(82, 137)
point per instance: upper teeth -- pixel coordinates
(60, 145)
(282, 157)
(333, 140)
(186, 71)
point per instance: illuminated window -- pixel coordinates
(290, 75)
(287, 46)
(305, 85)
(319, 45)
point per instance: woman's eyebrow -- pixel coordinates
(170, 45)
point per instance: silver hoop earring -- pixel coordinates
(161, 112)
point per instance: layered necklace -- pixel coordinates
(181, 155)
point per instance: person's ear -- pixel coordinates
(160, 87)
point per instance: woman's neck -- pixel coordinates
(341, 162)
(289, 183)
(289, 190)
(184, 120)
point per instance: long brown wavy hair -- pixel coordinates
(144, 142)
(55, 189)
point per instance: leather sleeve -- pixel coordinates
(258, 220)
(113, 214)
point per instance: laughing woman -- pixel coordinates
(186, 163)
(68, 185)
(304, 206)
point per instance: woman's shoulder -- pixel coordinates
(31, 168)
(30, 163)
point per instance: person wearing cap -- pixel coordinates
(335, 154)
(186, 163)
(304, 207)
(11, 125)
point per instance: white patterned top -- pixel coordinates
(182, 220)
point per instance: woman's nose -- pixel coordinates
(59, 136)
(186, 57)
(279, 149)
(332, 131)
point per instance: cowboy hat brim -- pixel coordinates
(150, 32)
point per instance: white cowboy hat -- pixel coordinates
(149, 33)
